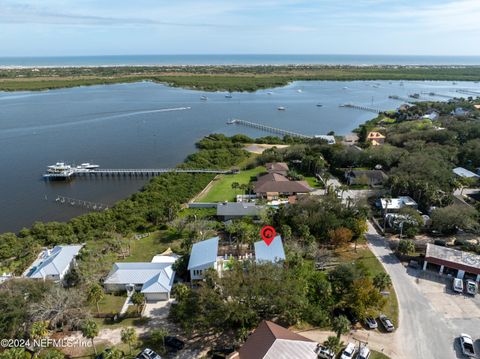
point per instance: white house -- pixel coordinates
(272, 253)
(395, 204)
(203, 256)
(153, 279)
(53, 264)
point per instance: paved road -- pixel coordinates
(424, 331)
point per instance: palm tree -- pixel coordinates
(90, 331)
(138, 299)
(128, 336)
(333, 343)
(235, 186)
(95, 295)
(341, 325)
(159, 335)
(382, 281)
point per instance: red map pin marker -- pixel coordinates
(268, 233)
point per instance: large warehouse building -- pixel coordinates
(464, 263)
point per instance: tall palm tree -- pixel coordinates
(90, 331)
(128, 336)
(95, 295)
(341, 325)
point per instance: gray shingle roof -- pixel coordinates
(238, 209)
(272, 253)
(54, 262)
(203, 253)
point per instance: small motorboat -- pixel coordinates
(319, 105)
(281, 108)
(204, 98)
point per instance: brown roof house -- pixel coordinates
(277, 167)
(271, 341)
(273, 185)
(376, 138)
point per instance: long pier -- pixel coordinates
(124, 172)
(469, 92)
(403, 99)
(434, 94)
(274, 130)
(361, 107)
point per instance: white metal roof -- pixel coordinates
(203, 253)
(463, 172)
(272, 253)
(53, 262)
(397, 203)
(155, 277)
(291, 349)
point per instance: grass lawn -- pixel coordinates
(378, 355)
(143, 250)
(221, 189)
(110, 304)
(312, 182)
(365, 256)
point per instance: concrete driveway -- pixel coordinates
(431, 318)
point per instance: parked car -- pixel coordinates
(148, 354)
(387, 323)
(349, 351)
(174, 343)
(471, 287)
(371, 323)
(363, 352)
(458, 285)
(324, 353)
(466, 343)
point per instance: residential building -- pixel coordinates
(269, 253)
(202, 257)
(431, 115)
(329, 138)
(375, 138)
(234, 210)
(459, 111)
(271, 341)
(395, 204)
(463, 172)
(465, 263)
(53, 264)
(366, 177)
(274, 185)
(277, 167)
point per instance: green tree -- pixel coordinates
(113, 354)
(333, 343)
(95, 295)
(14, 353)
(382, 281)
(52, 354)
(340, 325)
(138, 299)
(235, 186)
(129, 337)
(90, 331)
(158, 336)
(449, 219)
(406, 247)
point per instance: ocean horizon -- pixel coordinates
(254, 59)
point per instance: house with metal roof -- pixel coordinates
(202, 257)
(269, 253)
(271, 341)
(235, 210)
(153, 279)
(53, 264)
(463, 172)
(395, 204)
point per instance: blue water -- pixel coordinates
(238, 60)
(149, 125)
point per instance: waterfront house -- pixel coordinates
(395, 204)
(461, 112)
(273, 185)
(154, 279)
(235, 210)
(277, 167)
(271, 341)
(272, 253)
(53, 264)
(375, 138)
(202, 257)
(431, 115)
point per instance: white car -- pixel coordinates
(349, 351)
(364, 352)
(458, 285)
(471, 287)
(466, 343)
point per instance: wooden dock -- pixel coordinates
(274, 130)
(361, 107)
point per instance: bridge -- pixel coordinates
(274, 130)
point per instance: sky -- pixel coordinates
(126, 27)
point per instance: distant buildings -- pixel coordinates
(153, 279)
(271, 341)
(461, 112)
(329, 138)
(53, 264)
(375, 138)
(431, 115)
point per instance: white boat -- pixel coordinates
(204, 98)
(269, 93)
(228, 95)
(59, 167)
(299, 90)
(281, 108)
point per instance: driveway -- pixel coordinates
(430, 318)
